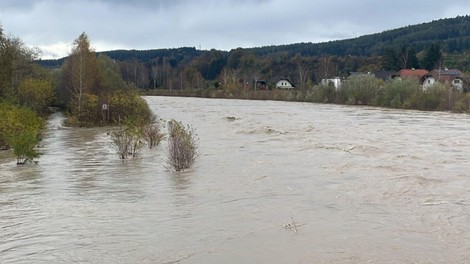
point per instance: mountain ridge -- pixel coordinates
(453, 34)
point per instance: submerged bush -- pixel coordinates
(20, 129)
(127, 139)
(182, 146)
(152, 133)
(127, 104)
(23, 145)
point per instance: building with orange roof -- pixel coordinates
(424, 77)
(413, 73)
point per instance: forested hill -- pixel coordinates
(175, 56)
(453, 34)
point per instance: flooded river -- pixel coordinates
(275, 182)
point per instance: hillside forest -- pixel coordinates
(441, 43)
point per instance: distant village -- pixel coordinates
(450, 77)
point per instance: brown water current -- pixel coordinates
(275, 182)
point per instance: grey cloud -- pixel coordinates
(19, 5)
(147, 24)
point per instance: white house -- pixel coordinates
(457, 83)
(336, 82)
(428, 81)
(452, 77)
(284, 84)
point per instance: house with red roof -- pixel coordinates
(424, 77)
(418, 74)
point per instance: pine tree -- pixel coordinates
(433, 57)
(390, 60)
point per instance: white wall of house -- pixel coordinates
(457, 83)
(428, 82)
(284, 84)
(335, 81)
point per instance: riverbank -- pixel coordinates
(369, 91)
(274, 95)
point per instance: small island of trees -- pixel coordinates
(89, 88)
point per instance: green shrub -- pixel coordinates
(91, 110)
(23, 145)
(359, 90)
(395, 93)
(322, 94)
(461, 103)
(434, 98)
(127, 104)
(20, 129)
(36, 94)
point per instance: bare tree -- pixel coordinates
(225, 73)
(325, 68)
(303, 72)
(154, 74)
(234, 74)
(153, 134)
(301, 69)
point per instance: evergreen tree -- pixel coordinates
(433, 56)
(390, 60)
(413, 59)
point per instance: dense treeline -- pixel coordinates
(453, 33)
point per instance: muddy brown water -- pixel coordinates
(275, 182)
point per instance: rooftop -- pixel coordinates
(412, 73)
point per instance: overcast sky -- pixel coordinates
(52, 25)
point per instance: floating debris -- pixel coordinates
(231, 118)
(292, 226)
